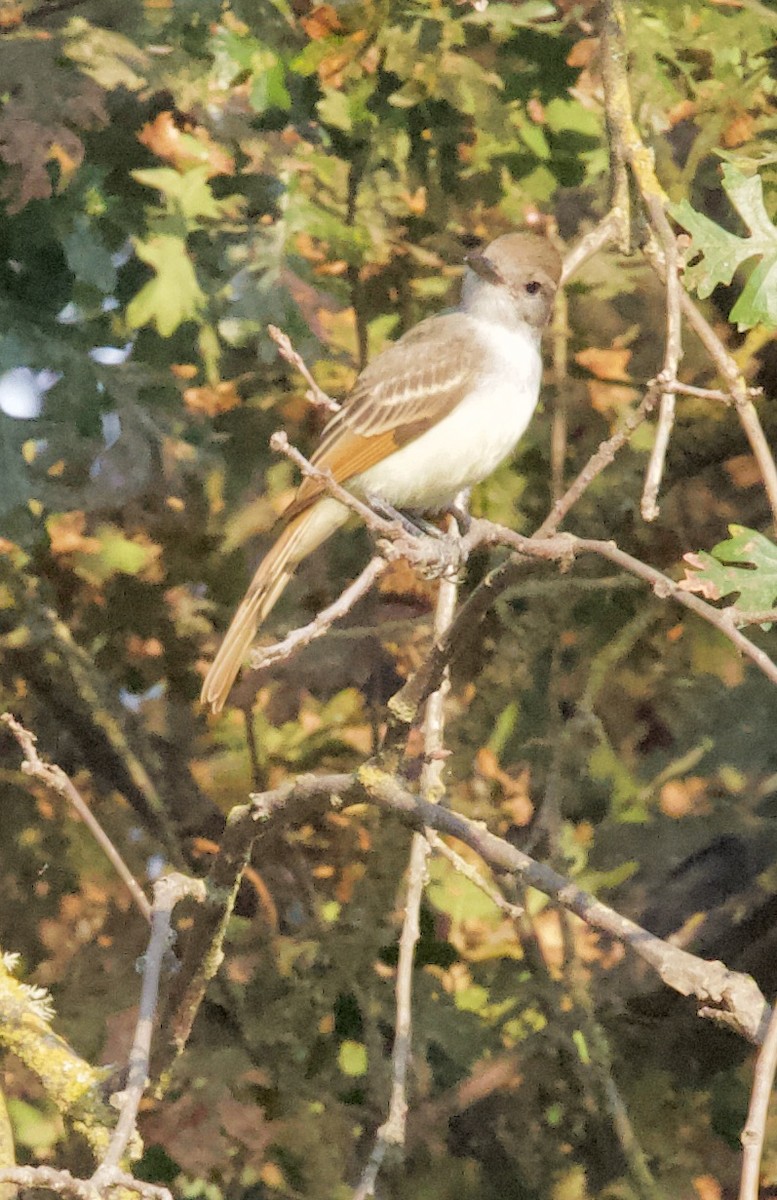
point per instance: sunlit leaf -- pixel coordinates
(716, 254)
(173, 295)
(744, 566)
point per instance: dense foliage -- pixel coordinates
(176, 175)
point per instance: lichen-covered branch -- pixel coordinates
(70, 1083)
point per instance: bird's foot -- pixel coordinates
(460, 515)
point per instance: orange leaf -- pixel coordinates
(186, 146)
(66, 534)
(608, 396)
(582, 52)
(321, 21)
(606, 363)
(740, 130)
(684, 798)
(681, 112)
(184, 371)
(707, 1187)
(212, 400)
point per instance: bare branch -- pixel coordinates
(672, 356)
(723, 995)
(65, 1184)
(168, 891)
(265, 656)
(590, 244)
(754, 1131)
(513, 911)
(377, 524)
(56, 779)
(393, 1131)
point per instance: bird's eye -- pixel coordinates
(533, 287)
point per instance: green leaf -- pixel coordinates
(719, 254)
(88, 257)
(352, 1058)
(173, 295)
(187, 193)
(269, 88)
(240, 55)
(117, 555)
(745, 565)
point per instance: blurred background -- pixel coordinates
(175, 176)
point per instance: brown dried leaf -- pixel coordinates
(707, 1187)
(684, 798)
(738, 131)
(743, 471)
(609, 397)
(693, 582)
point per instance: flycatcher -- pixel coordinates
(435, 412)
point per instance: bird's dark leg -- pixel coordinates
(411, 521)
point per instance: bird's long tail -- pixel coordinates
(303, 533)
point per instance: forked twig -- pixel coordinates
(56, 779)
(316, 395)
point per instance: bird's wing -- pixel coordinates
(404, 391)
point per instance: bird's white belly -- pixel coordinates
(470, 442)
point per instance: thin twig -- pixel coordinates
(590, 244)
(559, 341)
(561, 547)
(601, 458)
(404, 705)
(513, 911)
(56, 779)
(737, 616)
(265, 656)
(435, 557)
(688, 389)
(315, 395)
(672, 355)
(168, 891)
(754, 1131)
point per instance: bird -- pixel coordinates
(434, 413)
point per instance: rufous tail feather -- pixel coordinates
(272, 576)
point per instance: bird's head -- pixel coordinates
(514, 279)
